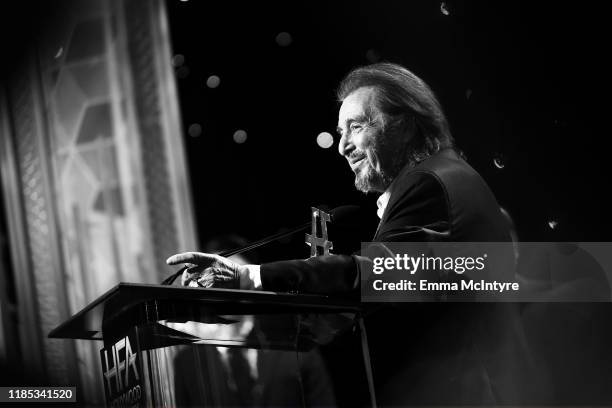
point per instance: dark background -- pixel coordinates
(518, 81)
(521, 82)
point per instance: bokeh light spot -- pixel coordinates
(372, 55)
(284, 39)
(195, 130)
(240, 136)
(178, 60)
(182, 72)
(325, 140)
(213, 81)
(499, 162)
(444, 8)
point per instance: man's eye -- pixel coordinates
(355, 127)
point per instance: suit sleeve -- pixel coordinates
(416, 212)
(328, 274)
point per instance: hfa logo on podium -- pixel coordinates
(318, 238)
(122, 375)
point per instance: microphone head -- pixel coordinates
(345, 214)
(349, 226)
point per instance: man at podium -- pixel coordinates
(396, 140)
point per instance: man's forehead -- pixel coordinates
(356, 104)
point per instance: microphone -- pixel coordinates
(345, 215)
(340, 216)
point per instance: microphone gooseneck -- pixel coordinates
(339, 215)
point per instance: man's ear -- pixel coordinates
(404, 127)
(409, 126)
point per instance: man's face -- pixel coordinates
(360, 124)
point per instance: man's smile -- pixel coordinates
(356, 162)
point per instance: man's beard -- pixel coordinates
(371, 179)
(384, 159)
(368, 179)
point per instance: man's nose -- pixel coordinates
(345, 146)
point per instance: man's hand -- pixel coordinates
(214, 271)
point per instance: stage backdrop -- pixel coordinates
(93, 173)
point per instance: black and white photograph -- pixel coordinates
(304, 204)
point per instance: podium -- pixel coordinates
(180, 346)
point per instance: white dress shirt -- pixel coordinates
(382, 202)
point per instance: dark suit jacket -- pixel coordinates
(431, 353)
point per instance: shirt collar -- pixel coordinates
(382, 202)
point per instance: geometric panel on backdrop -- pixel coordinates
(69, 103)
(92, 78)
(109, 200)
(102, 161)
(77, 184)
(87, 40)
(96, 123)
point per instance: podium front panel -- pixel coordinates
(167, 347)
(240, 361)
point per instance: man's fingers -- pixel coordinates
(198, 258)
(191, 273)
(187, 277)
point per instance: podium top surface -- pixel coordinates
(124, 298)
